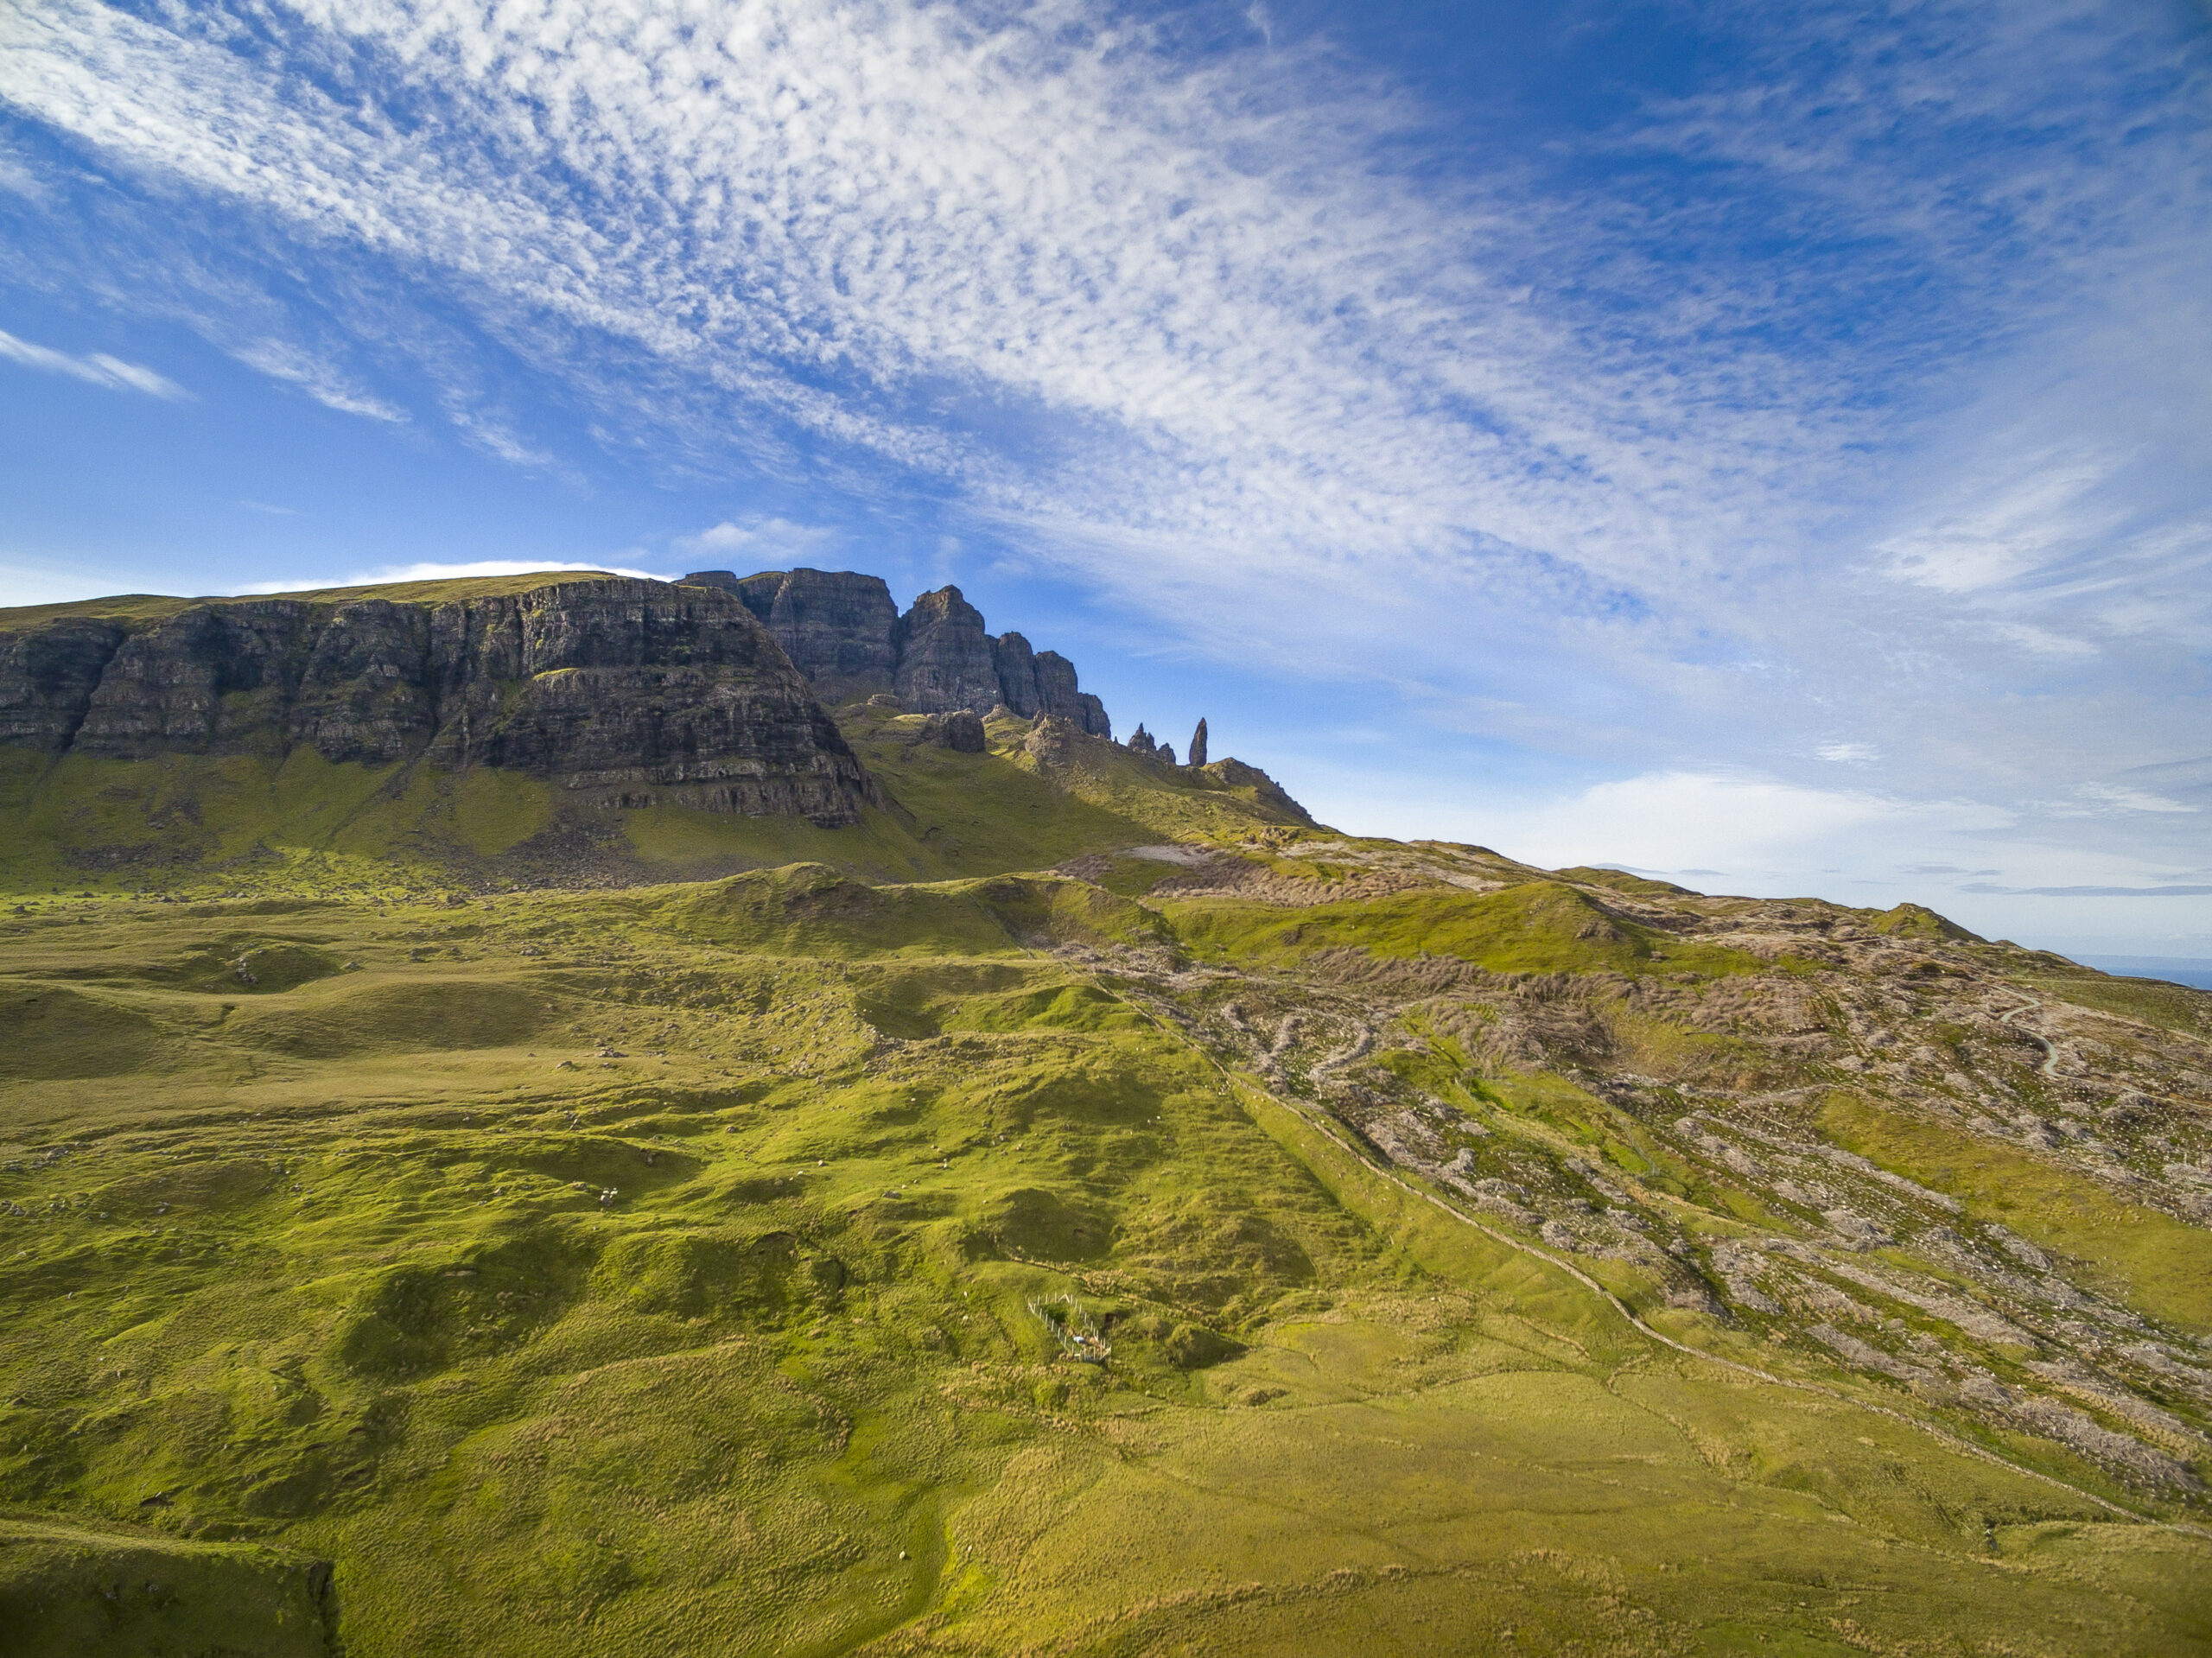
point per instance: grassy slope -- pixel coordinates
(1533, 927)
(212, 824)
(652, 1272)
(138, 610)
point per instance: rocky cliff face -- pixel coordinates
(1043, 681)
(629, 691)
(839, 629)
(845, 633)
(946, 658)
(47, 676)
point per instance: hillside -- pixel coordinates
(1078, 1205)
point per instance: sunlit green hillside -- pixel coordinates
(296, 824)
(1083, 1206)
(788, 1263)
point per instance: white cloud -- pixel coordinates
(494, 437)
(1748, 828)
(98, 369)
(1217, 321)
(2104, 800)
(762, 545)
(1220, 325)
(17, 176)
(282, 360)
(2043, 504)
(1860, 391)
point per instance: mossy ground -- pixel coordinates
(656, 1271)
(300, 826)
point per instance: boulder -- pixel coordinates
(961, 731)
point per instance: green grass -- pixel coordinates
(2149, 1259)
(1919, 921)
(1534, 927)
(299, 824)
(138, 610)
(73, 1589)
(652, 1271)
(2170, 1006)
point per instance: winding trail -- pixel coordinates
(2050, 1065)
(1323, 1125)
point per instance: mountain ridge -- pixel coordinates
(841, 630)
(572, 728)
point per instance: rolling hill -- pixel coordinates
(1065, 1202)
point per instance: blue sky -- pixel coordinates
(1767, 446)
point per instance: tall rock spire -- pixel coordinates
(1199, 745)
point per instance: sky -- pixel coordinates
(1766, 446)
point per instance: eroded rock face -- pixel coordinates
(632, 691)
(845, 633)
(369, 692)
(1199, 745)
(838, 628)
(960, 731)
(1056, 696)
(1016, 664)
(675, 692)
(946, 658)
(47, 676)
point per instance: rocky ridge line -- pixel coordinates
(629, 691)
(843, 633)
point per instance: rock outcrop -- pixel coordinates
(47, 675)
(845, 633)
(1016, 665)
(629, 691)
(946, 661)
(1199, 745)
(961, 731)
(839, 629)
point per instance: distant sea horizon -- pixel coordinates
(2193, 971)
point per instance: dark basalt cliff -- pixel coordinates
(946, 658)
(845, 633)
(839, 629)
(629, 692)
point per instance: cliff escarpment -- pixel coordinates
(842, 630)
(629, 692)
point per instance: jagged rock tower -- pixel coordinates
(843, 633)
(1199, 745)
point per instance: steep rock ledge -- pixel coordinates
(628, 691)
(843, 632)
